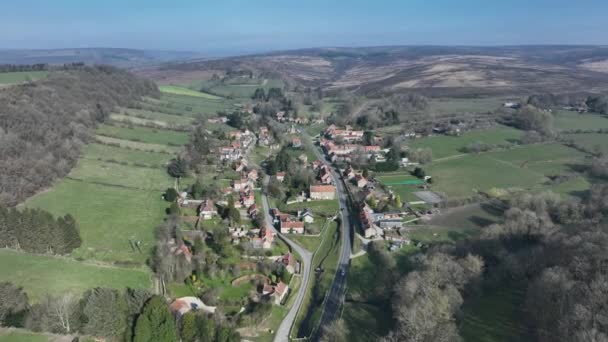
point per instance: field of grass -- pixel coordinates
(14, 335)
(469, 216)
(495, 316)
(144, 134)
(118, 175)
(40, 274)
(518, 168)
(568, 120)
(367, 322)
(324, 208)
(168, 119)
(117, 201)
(590, 141)
(326, 258)
(193, 106)
(445, 146)
(405, 191)
(108, 217)
(20, 77)
(189, 92)
(238, 88)
(124, 155)
(136, 145)
(463, 105)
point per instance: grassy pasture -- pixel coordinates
(193, 105)
(144, 134)
(446, 146)
(238, 88)
(367, 322)
(21, 76)
(15, 335)
(137, 145)
(108, 217)
(124, 155)
(405, 191)
(185, 91)
(40, 274)
(496, 316)
(126, 176)
(522, 168)
(461, 177)
(590, 141)
(324, 207)
(155, 116)
(462, 105)
(568, 120)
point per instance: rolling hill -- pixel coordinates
(431, 70)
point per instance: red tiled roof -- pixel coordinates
(322, 188)
(281, 288)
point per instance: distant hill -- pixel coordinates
(432, 70)
(124, 58)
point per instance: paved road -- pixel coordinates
(335, 298)
(282, 334)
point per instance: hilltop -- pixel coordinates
(430, 70)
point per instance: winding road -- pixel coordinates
(282, 334)
(335, 297)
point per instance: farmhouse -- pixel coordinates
(306, 215)
(322, 192)
(289, 226)
(289, 261)
(296, 142)
(247, 199)
(240, 184)
(280, 292)
(280, 176)
(360, 181)
(207, 210)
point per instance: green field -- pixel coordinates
(568, 120)
(326, 257)
(496, 316)
(324, 208)
(118, 175)
(464, 105)
(236, 88)
(14, 335)
(446, 146)
(518, 168)
(123, 155)
(20, 77)
(40, 275)
(590, 141)
(193, 106)
(405, 191)
(108, 217)
(167, 119)
(367, 322)
(136, 145)
(189, 92)
(144, 134)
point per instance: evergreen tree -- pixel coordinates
(188, 329)
(155, 322)
(104, 313)
(197, 190)
(206, 328)
(178, 167)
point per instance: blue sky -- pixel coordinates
(234, 26)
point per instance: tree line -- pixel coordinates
(557, 247)
(23, 67)
(130, 315)
(43, 124)
(37, 231)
